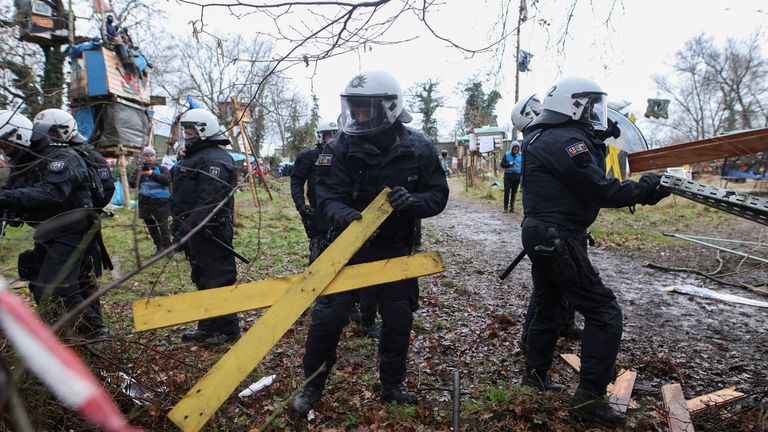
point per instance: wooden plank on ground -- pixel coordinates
(573, 361)
(621, 394)
(719, 147)
(678, 417)
(205, 398)
(193, 306)
(714, 399)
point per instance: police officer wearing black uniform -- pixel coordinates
(49, 189)
(305, 173)
(102, 187)
(524, 113)
(204, 178)
(565, 188)
(374, 150)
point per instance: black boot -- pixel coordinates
(195, 336)
(572, 331)
(302, 403)
(539, 380)
(398, 393)
(373, 330)
(219, 339)
(590, 407)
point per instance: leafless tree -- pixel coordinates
(715, 89)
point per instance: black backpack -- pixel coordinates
(94, 179)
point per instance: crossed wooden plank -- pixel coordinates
(293, 295)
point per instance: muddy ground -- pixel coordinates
(468, 321)
(705, 345)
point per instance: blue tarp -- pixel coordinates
(240, 157)
(87, 46)
(117, 199)
(84, 118)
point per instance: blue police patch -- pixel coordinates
(577, 148)
(104, 173)
(324, 159)
(214, 171)
(56, 166)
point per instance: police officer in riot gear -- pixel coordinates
(305, 173)
(373, 150)
(565, 188)
(524, 113)
(203, 179)
(102, 187)
(49, 189)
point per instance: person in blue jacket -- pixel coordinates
(154, 198)
(512, 162)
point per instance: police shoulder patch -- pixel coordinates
(577, 148)
(57, 166)
(324, 160)
(104, 173)
(214, 171)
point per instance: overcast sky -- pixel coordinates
(622, 56)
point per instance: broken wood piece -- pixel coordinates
(575, 362)
(572, 360)
(192, 306)
(714, 399)
(678, 417)
(621, 394)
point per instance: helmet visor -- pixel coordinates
(596, 110)
(368, 114)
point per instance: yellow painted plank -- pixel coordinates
(621, 393)
(678, 417)
(711, 400)
(200, 403)
(193, 306)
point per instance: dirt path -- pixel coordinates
(704, 344)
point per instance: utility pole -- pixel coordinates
(520, 20)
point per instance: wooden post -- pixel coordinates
(252, 184)
(246, 146)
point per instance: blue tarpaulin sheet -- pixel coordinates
(240, 157)
(84, 118)
(87, 46)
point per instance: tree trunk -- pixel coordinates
(53, 76)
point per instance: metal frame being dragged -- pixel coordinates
(742, 205)
(698, 240)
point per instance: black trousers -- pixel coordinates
(57, 279)
(565, 276)
(214, 267)
(396, 303)
(570, 318)
(511, 184)
(158, 230)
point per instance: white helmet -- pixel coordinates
(56, 124)
(327, 126)
(15, 128)
(575, 98)
(371, 101)
(205, 123)
(525, 111)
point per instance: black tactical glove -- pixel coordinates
(612, 131)
(306, 211)
(652, 183)
(344, 221)
(400, 199)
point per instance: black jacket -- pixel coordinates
(201, 180)
(305, 172)
(102, 167)
(350, 173)
(564, 177)
(47, 181)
